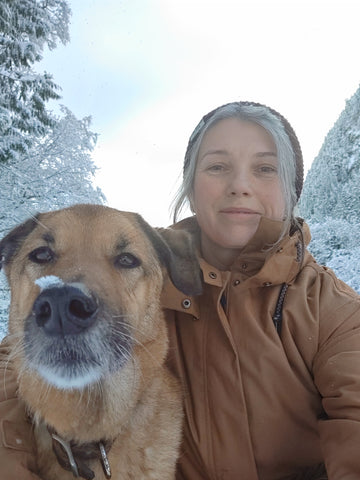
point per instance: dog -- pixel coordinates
(89, 340)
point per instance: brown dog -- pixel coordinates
(89, 340)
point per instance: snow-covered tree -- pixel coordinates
(332, 186)
(26, 27)
(57, 171)
(330, 201)
(335, 243)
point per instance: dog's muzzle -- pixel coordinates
(64, 310)
(72, 339)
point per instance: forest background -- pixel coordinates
(47, 158)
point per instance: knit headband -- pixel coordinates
(287, 127)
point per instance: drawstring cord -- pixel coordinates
(277, 317)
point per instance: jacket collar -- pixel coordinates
(260, 263)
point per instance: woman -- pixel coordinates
(269, 354)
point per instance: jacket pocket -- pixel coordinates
(16, 438)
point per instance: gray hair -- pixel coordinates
(287, 146)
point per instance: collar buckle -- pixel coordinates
(104, 460)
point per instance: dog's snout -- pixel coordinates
(64, 310)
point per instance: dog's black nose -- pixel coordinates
(64, 310)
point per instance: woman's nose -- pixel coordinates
(240, 184)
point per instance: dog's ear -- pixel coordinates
(176, 251)
(11, 243)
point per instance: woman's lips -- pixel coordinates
(239, 211)
(240, 215)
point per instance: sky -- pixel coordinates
(146, 71)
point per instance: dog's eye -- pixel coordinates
(127, 260)
(42, 255)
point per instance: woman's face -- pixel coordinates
(236, 182)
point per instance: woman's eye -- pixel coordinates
(268, 169)
(42, 255)
(127, 260)
(216, 168)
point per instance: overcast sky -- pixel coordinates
(148, 70)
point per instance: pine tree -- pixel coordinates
(26, 27)
(330, 201)
(332, 185)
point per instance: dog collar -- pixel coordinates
(75, 457)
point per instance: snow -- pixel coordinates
(64, 173)
(48, 282)
(346, 266)
(352, 160)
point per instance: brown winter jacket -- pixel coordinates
(17, 458)
(257, 406)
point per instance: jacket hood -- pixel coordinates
(261, 263)
(263, 243)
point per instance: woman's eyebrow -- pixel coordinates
(266, 154)
(220, 151)
(214, 152)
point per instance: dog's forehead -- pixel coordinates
(96, 225)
